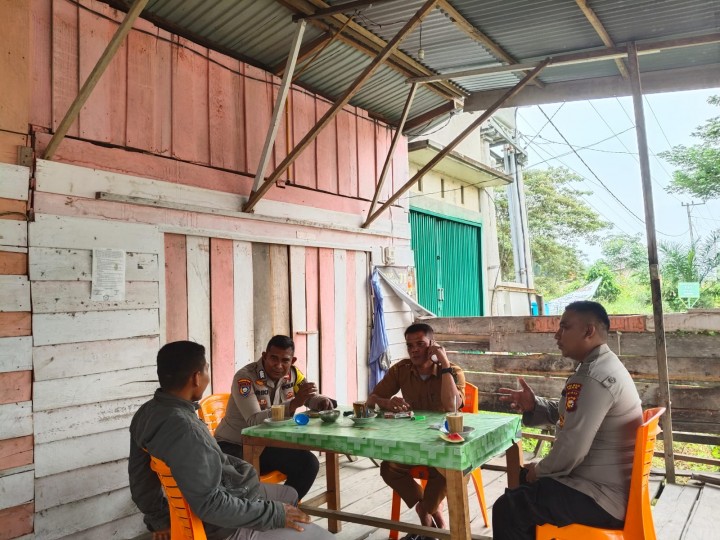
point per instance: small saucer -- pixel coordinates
(277, 423)
(465, 431)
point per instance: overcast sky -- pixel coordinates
(670, 119)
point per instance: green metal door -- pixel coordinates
(448, 262)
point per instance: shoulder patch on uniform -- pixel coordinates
(572, 395)
(609, 381)
(244, 387)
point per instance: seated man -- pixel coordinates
(272, 380)
(223, 491)
(428, 381)
(585, 478)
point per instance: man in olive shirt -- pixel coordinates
(428, 381)
(585, 478)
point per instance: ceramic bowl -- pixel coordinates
(329, 416)
(363, 421)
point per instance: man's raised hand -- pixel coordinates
(521, 399)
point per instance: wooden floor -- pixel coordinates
(681, 512)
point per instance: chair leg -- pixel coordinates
(351, 459)
(374, 462)
(395, 513)
(477, 480)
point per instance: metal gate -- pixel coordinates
(448, 261)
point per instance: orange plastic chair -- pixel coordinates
(184, 524)
(212, 410)
(638, 517)
(421, 471)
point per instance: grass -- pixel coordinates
(690, 449)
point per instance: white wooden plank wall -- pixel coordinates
(341, 352)
(362, 309)
(15, 354)
(198, 293)
(397, 318)
(243, 303)
(94, 365)
(298, 311)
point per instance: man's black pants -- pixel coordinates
(519, 510)
(300, 466)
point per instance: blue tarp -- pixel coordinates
(378, 360)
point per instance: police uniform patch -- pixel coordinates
(244, 387)
(260, 382)
(263, 403)
(572, 395)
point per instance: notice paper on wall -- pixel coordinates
(108, 275)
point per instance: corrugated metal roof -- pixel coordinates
(261, 31)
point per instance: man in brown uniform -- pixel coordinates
(428, 381)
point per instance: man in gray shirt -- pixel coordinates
(223, 491)
(585, 478)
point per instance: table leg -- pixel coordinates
(514, 460)
(457, 500)
(332, 475)
(251, 454)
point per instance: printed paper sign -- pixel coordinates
(108, 275)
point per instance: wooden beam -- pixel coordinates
(655, 287)
(451, 146)
(673, 80)
(364, 40)
(94, 77)
(340, 8)
(391, 151)
(279, 103)
(426, 117)
(599, 28)
(483, 39)
(579, 57)
(343, 100)
(305, 52)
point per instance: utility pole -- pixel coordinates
(688, 206)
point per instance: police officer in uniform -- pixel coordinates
(585, 478)
(272, 380)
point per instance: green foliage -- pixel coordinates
(680, 262)
(627, 254)
(558, 220)
(608, 290)
(699, 164)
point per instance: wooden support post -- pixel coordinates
(279, 103)
(94, 77)
(451, 146)
(655, 289)
(343, 100)
(396, 138)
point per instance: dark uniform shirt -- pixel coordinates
(422, 395)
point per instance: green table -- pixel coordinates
(403, 441)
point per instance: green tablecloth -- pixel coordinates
(403, 440)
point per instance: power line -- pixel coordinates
(657, 121)
(537, 133)
(634, 154)
(590, 168)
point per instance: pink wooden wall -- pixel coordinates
(169, 97)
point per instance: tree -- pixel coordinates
(558, 221)
(680, 262)
(627, 254)
(608, 290)
(699, 164)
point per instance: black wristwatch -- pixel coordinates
(446, 370)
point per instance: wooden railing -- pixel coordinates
(494, 351)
